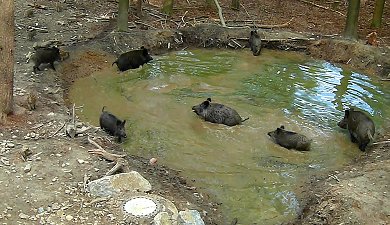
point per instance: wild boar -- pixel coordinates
(290, 140)
(45, 55)
(255, 43)
(112, 125)
(360, 127)
(133, 59)
(218, 113)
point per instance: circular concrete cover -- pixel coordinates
(140, 206)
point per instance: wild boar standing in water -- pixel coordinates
(290, 140)
(112, 125)
(133, 59)
(218, 113)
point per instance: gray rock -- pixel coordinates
(115, 184)
(190, 217)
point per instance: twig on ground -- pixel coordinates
(139, 22)
(322, 7)
(37, 6)
(253, 21)
(85, 182)
(97, 200)
(182, 20)
(238, 44)
(95, 144)
(381, 142)
(56, 132)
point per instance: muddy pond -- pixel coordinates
(253, 178)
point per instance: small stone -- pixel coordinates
(80, 161)
(23, 216)
(27, 168)
(41, 210)
(55, 206)
(10, 145)
(69, 217)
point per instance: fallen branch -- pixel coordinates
(238, 44)
(252, 21)
(58, 130)
(322, 7)
(95, 144)
(138, 22)
(381, 142)
(37, 6)
(220, 13)
(182, 20)
(385, 79)
(97, 200)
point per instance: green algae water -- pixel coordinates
(253, 178)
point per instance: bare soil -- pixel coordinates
(52, 192)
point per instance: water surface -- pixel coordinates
(253, 178)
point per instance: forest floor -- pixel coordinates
(46, 187)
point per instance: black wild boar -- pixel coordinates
(255, 43)
(217, 113)
(133, 59)
(290, 140)
(45, 55)
(112, 125)
(361, 127)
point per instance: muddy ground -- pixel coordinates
(52, 190)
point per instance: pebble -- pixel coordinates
(55, 206)
(69, 217)
(41, 210)
(27, 168)
(10, 145)
(23, 216)
(80, 161)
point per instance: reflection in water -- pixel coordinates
(254, 178)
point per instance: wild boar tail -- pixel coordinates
(245, 119)
(103, 108)
(114, 63)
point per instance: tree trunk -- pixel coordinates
(351, 26)
(139, 8)
(236, 4)
(378, 13)
(7, 34)
(123, 15)
(220, 13)
(167, 7)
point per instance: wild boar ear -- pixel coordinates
(208, 99)
(206, 104)
(282, 127)
(124, 121)
(144, 51)
(278, 130)
(347, 112)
